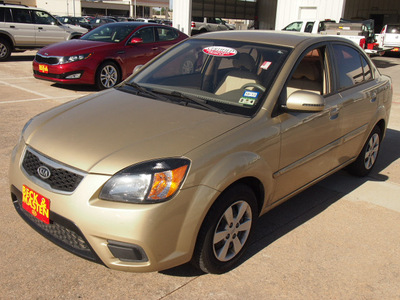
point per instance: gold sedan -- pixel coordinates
(177, 162)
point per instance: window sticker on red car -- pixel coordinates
(249, 98)
(266, 65)
(220, 51)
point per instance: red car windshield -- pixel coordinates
(110, 33)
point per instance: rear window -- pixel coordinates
(393, 29)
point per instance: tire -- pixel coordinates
(187, 67)
(107, 76)
(5, 50)
(226, 230)
(368, 156)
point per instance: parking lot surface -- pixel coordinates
(340, 239)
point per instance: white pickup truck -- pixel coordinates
(361, 33)
(205, 24)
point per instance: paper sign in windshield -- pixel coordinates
(249, 98)
(266, 65)
(220, 51)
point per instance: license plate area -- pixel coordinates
(43, 69)
(36, 204)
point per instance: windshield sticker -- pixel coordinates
(220, 51)
(249, 98)
(266, 65)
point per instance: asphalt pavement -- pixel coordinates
(340, 239)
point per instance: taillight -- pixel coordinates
(362, 43)
(193, 24)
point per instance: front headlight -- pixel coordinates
(149, 182)
(73, 58)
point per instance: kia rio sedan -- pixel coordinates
(106, 55)
(176, 163)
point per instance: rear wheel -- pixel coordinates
(226, 230)
(367, 158)
(107, 75)
(5, 50)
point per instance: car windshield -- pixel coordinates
(231, 76)
(295, 26)
(110, 33)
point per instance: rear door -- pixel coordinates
(48, 29)
(359, 91)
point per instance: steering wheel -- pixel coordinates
(254, 85)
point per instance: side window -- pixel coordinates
(367, 69)
(309, 27)
(7, 15)
(42, 17)
(2, 11)
(308, 75)
(166, 34)
(350, 69)
(21, 15)
(146, 34)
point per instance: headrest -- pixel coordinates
(306, 69)
(244, 61)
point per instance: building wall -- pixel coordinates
(382, 11)
(292, 10)
(266, 14)
(182, 15)
(61, 7)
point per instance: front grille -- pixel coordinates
(60, 231)
(49, 75)
(60, 179)
(50, 60)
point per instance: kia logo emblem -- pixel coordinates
(44, 172)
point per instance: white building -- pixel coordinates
(276, 14)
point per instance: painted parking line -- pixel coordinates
(41, 99)
(26, 90)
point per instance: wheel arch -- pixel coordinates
(4, 35)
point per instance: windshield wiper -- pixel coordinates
(142, 90)
(196, 100)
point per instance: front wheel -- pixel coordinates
(107, 75)
(226, 230)
(367, 158)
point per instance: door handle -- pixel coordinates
(12, 26)
(40, 28)
(154, 48)
(334, 113)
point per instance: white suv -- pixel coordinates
(23, 28)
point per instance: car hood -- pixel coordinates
(73, 47)
(74, 28)
(107, 132)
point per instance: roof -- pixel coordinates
(282, 38)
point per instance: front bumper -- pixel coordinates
(122, 236)
(72, 73)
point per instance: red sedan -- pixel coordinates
(106, 55)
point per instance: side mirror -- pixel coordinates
(137, 68)
(305, 101)
(135, 41)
